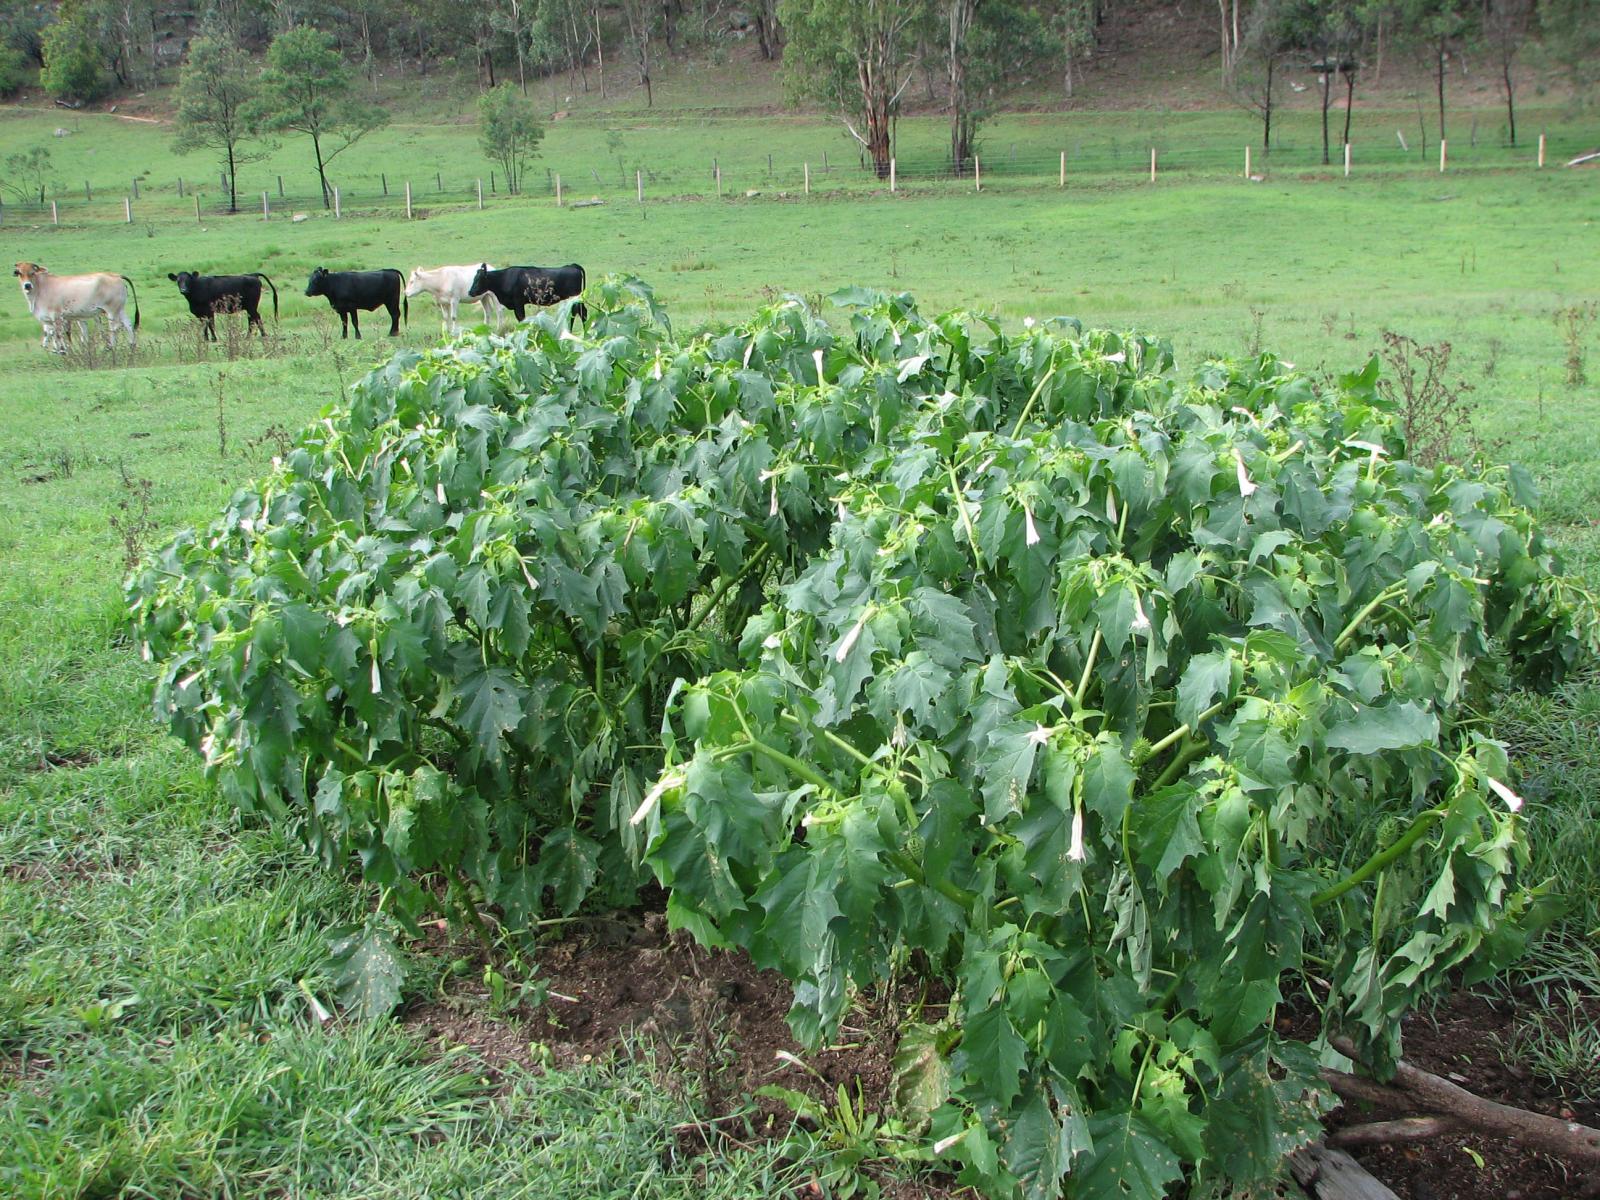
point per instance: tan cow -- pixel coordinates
(58, 300)
(448, 286)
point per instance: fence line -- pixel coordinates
(1078, 162)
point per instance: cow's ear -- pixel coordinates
(172, 277)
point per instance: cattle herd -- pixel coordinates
(56, 301)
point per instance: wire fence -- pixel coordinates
(579, 184)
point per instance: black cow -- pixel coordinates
(518, 287)
(349, 291)
(210, 294)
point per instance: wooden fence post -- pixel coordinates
(135, 189)
(891, 175)
(718, 169)
(638, 183)
(384, 179)
(337, 214)
(266, 212)
(558, 191)
(808, 178)
(977, 174)
(1347, 160)
(55, 215)
(1441, 154)
(180, 187)
(1152, 164)
(1063, 182)
(438, 181)
(480, 194)
(408, 199)
(1247, 162)
(197, 208)
(86, 196)
(127, 211)
(280, 187)
(1541, 150)
(825, 168)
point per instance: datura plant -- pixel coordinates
(1122, 708)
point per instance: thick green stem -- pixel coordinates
(810, 774)
(1372, 606)
(1183, 731)
(1088, 670)
(946, 888)
(966, 521)
(1424, 822)
(830, 737)
(1182, 759)
(1028, 407)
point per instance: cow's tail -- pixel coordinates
(135, 292)
(583, 279)
(274, 288)
(405, 301)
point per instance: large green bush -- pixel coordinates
(74, 64)
(1127, 707)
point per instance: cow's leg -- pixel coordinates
(355, 322)
(208, 327)
(254, 319)
(453, 324)
(394, 317)
(344, 324)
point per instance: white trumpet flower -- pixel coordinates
(1246, 486)
(1075, 850)
(1030, 535)
(1141, 623)
(816, 357)
(1118, 357)
(1513, 801)
(852, 637)
(1040, 734)
(671, 779)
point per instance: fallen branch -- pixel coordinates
(1329, 1174)
(1387, 1133)
(1413, 1088)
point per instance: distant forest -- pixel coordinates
(855, 57)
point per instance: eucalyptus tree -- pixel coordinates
(215, 92)
(856, 56)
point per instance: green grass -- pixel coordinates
(599, 154)
(155, 1035)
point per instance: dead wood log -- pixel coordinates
(1387, 1133)
(1328, 1174)
(1413, 1089)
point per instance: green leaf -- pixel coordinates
(921, 1081)
(992, 1054)
(367, 971)
(491, 706)
(1394, 726)
(1128, 1161)
(1005, 768)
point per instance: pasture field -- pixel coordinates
(156, 1027)
(608, 153)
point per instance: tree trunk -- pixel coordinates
(1227, 46)
(1511, 99)
(233, 182)
(1327, 100)
(600, 51)
(1349, 100)
(322, 174)
(767, 29)
(1266, 110)
(962, 13)
(1440, 59)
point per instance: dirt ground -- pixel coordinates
(618, 984)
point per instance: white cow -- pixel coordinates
(448, 286)
(58, 300)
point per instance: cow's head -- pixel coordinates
(29, 273)
(414, 282)
(184, 280)
(480, 282)
(319, 282)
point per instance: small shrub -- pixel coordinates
(73, 66)
(16, 72)
(1435, 414)
(1574, 323)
